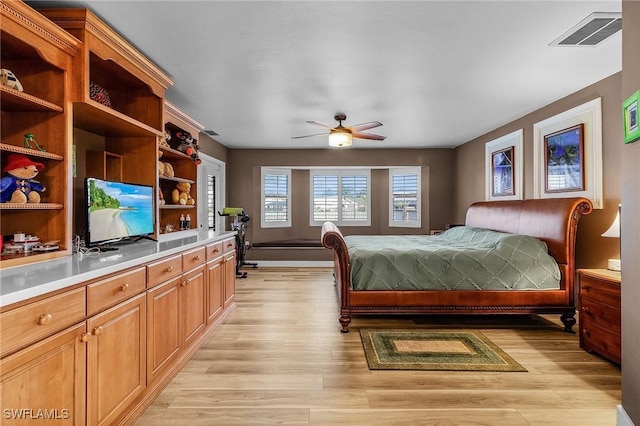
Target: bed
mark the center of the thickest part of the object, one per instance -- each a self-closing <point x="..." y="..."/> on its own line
<point x="553" y="222"/>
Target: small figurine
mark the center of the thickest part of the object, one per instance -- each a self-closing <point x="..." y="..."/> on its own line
<point x="19" y="186"/>
<point x="7" y="78"/>
<point x="189" y="146"/>
<point x="29" y="139"/>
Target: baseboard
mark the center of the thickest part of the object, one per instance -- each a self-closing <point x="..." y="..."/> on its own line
<point x="292" y="264"/>
<point x="623" y="418"/>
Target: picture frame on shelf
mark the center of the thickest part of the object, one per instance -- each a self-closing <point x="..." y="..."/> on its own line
<point x="564" y="160"/>
<point x="503" y="167"/>
<point x="631" y="118"/>
<point x="589" y="115"/>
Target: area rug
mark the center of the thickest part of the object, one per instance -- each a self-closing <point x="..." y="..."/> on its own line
<point x="428" y="349"/>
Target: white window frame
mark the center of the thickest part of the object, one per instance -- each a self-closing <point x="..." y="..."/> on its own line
<point x="340" y="173"/>
<point x="275" y="171"/>
<point x="407" y="223"/>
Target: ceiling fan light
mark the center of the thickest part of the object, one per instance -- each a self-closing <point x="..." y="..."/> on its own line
<point x="340" y="139"/>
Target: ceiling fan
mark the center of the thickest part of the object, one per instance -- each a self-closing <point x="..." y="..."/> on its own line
<point x="342" y="136"/>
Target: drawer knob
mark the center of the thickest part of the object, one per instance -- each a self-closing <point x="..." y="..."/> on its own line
<point x="44" y="319"/>
<point x="184" y="283"/>
<point x="124" y="287"/>
<point x="586" y="332"/>
<point x="197" y="257"/>
<point x="97" y="331"/>
<point x="85" y="337"/>
<point x="216" y="250"/>
<point x="585" y="309"/>
<point x="229" y="245"/>
<point x="168" y="269"/>
<point x="585" y="287"/>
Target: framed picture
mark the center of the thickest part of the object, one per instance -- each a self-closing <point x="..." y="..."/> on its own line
<point x="631" y="118"/>
<point x="567" y="154"/>
<point x="503" y="167"/>
<point x="502" y="172"/>
<point x="564" y="160"/>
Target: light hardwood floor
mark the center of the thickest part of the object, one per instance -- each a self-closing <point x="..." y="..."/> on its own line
<point x="281" y="359"/>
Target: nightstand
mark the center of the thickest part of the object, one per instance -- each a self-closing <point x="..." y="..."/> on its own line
<point x="599" y="301"/>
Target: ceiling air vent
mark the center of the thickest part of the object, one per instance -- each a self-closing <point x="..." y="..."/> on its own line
<point x="211" y="133"/>
<point x="591" y="30"/>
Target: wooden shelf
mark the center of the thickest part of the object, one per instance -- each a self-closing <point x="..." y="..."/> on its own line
<point x="173" y="153"/>
<point x="176" y="179"/>
<point x="31" y="206"/>
<point x="14" y="100"/>
<point x="175" y="207"/>
<point x="102" y="120"/>
<point x="31" y="152"/>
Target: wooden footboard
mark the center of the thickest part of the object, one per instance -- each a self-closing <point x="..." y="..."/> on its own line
<point x="554" y="221"/>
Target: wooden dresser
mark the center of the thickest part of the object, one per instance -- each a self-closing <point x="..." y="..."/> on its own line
<point x="599" y="301"/>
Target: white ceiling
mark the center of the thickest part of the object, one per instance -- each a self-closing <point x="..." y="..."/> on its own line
<point x="435" y="73"/>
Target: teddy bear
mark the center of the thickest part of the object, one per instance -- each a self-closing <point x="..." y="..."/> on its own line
<point x="181" y="194"/>
<point x="19" y="186"/>
<point x="189" y="146"/>
<point x="163" y="141"/>
<point x="164" y="168"/>
<point x="161" y="200"/>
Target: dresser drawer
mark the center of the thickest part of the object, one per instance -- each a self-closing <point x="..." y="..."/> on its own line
<point x="228" y="245"/>
<point x="193" y="258"/>
<point x="40" y="319"/>
<point x="600" y="290"/>
<point x="110" y="291"/>
<point x="163" y="270"/>
<point x="602" y="315"/>
<point x="596" y="339"/>
<point x="214" y="251"/>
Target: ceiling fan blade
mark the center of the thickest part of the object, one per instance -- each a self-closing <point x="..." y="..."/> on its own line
<point x="365" y="126"/>
<point x="319" y="124"/>
<point x="308" y="136"/>
<point x="362" y="135"/>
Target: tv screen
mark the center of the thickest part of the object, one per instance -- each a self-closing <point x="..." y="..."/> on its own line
<point x="117" y="210"/>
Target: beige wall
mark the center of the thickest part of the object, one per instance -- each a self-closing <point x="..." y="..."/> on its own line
<point x="630" y="160"/>
<point x="593" y="250"/>
<point x="243" y="168"/>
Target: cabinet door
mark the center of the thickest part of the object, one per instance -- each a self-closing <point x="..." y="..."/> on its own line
<point x="229" y="279"/>
<point x="192" y="305"/>
<point x="46" y="381"/>
<point x="215" y="290"/>
<point x="116" y="362"/>
<point x="163" y="326"/>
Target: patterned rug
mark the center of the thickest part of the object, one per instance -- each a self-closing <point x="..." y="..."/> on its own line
<point x="428" y="349"/>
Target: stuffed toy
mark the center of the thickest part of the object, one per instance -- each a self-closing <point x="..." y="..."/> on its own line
<point x="181" y="195"/>
<point x="164" y="140"/>
<point x="164" y="169"/>
<point x="189" y="146"/>
<point x="19" y="186"/>
<point x="7" y="78"/>
<point x="161" y="200"/>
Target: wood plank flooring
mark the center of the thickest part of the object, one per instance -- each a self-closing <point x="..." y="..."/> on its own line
<point x="281" y="359"/>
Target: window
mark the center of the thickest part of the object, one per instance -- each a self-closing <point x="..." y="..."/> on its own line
<point x="404" y="197"/>
<point x="276" y="198"/>
<point x="211" y="202"/>
<point x="341" y="196"/>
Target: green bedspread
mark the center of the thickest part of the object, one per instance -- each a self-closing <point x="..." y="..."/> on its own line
<point x="462" y="258"/>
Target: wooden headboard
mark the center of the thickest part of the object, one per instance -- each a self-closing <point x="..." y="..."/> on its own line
<point x="553" y="220"/>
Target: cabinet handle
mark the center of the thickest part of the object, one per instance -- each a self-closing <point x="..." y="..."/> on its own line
<point x="44" y="319"/>
<point x="229" y="245"/>
<point x="585" y="287"/>
<point x="168" y="269"/>
<point x="585" y="309"/>
<point x="216" y="250"/>
<point x="197" y="257"/>
<point x="124" y="287"/>
<point x="84" y="337"/>
<point x="184" y="283"/>
<point x="586" y="332"/>
<point x="97" y="331"/>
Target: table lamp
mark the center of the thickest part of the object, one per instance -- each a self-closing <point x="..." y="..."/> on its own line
<point x="614" y="232"/>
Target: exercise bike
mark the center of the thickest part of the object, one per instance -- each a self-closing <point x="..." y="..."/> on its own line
<point x="239" y="225"/>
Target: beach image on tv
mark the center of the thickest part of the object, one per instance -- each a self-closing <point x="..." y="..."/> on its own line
<point x="119" y="210"/>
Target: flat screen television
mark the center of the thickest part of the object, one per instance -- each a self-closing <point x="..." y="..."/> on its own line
<point x="117" y="211"/>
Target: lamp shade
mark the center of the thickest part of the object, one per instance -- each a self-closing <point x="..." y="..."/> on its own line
<point x="340" y="139"/>
<point x="614" y="229"/>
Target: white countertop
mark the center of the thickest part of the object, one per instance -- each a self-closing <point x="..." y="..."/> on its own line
<point x="24" y="282"/>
